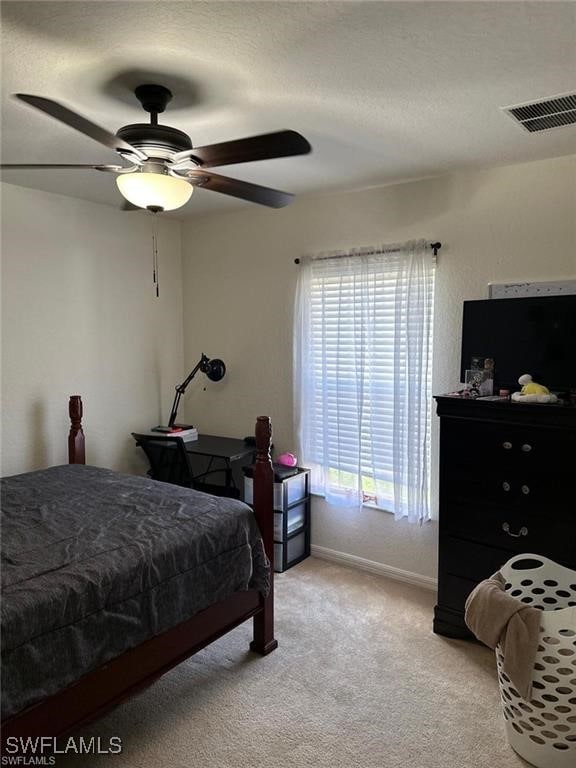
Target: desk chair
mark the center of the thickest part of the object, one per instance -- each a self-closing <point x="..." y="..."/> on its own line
<point x="169" y="460"/>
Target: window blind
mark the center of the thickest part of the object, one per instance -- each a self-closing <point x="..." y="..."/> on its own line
<point x="363" y="366"/>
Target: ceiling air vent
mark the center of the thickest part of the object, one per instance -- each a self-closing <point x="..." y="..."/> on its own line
<point x="543" y="115"/>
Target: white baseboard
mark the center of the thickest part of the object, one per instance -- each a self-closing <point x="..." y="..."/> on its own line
<point x="353" y="561"/>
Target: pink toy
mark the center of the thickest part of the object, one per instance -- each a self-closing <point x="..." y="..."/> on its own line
<point x="287" y="459"/>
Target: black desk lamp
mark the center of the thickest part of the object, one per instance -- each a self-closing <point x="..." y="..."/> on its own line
<point x="214" y="369"/>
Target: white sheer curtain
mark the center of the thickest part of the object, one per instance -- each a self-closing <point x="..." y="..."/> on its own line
<point x="362" y="375"/>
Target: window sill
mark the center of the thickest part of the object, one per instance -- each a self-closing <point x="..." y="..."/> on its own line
<point x="369" y="504"/>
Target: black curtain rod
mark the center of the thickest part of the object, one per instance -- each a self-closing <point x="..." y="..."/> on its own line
<point x="435" y="247"/>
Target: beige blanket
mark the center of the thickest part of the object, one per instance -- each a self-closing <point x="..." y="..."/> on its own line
<point x="496" y="617"/>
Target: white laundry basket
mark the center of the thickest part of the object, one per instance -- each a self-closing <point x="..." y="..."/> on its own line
<point x="543" y="730"/>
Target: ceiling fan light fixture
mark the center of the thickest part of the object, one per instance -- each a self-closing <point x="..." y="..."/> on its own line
<point x="155" y="191"/>
<point x="163" y="164"/>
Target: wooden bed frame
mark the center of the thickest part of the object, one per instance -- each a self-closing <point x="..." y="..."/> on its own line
<point x="102" y="689"/>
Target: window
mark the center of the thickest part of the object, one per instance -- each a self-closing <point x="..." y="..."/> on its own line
<point x="362" y="366"/>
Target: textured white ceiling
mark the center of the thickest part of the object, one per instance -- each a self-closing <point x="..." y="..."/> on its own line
<point x="384" y="91"/>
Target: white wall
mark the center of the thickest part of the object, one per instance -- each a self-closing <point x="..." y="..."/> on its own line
<point x="508" y="223"/>
<point x="79" y="316"/>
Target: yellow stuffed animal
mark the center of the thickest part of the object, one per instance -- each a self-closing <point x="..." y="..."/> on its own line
<point x="530" y="387"/>
<point x="532" y="392"/>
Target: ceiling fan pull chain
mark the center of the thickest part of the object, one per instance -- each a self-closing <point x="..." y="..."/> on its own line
<point x="153" y="258"/>
<point x="155" y="274"/>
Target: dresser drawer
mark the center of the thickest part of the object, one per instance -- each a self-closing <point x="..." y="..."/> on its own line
<point x="471" y="561"/>
<point x="467" y="443"/>
<point x="476" y="561"/>
<point x="506" y="484"/>
<point x="513" y="529"/>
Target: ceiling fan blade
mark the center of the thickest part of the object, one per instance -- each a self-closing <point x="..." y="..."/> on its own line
<point x="265" y="147"/>
<point x="79" y="123"/>
<point x="241" y="189"/>
<point x="113" y="168"/>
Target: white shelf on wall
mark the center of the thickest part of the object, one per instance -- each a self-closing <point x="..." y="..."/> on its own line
<point x="518" y="290"/>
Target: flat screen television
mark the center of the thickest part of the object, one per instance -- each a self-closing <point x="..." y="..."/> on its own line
<point x="535" y="335"/>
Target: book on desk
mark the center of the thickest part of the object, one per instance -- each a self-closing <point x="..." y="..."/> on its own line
<point x="185" y="432"/>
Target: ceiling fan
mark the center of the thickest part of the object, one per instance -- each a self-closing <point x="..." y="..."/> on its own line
<point x="163" y="166"/>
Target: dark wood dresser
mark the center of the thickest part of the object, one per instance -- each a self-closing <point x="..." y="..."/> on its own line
<point x="507" y="486"/>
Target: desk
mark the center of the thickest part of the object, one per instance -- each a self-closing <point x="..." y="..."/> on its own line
<point x="223" y="451"/>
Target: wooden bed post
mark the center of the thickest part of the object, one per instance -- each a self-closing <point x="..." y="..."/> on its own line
<point x="263" y="502"/>
<point x="76" y="451"/>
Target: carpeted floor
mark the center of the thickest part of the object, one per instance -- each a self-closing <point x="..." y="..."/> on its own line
<point x="359" y="681"/>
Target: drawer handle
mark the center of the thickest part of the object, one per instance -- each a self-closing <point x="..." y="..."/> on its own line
<point x="522" y="532"/>
<point x="507" y="445"/>
<point x="525" y="490"/>
<point x="526" y="447"/>
<point x="505" y="486"/>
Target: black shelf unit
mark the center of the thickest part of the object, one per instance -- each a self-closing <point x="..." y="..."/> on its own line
<point x="291" y="516"/>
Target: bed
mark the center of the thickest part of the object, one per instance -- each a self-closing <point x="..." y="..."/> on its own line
<point x="110" y="580"/>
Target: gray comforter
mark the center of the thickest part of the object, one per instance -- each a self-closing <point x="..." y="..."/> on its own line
<point x="95" y="562"/>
